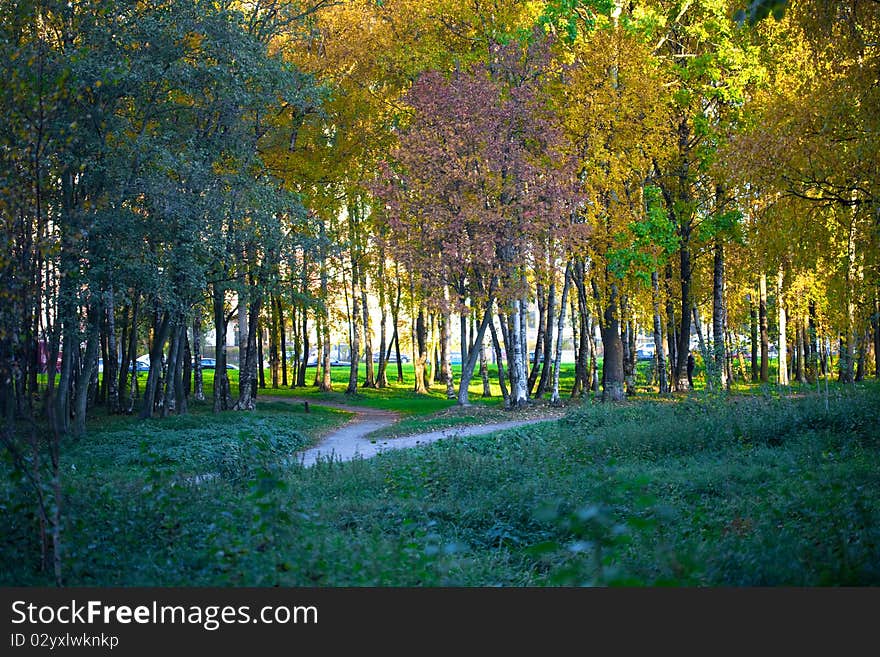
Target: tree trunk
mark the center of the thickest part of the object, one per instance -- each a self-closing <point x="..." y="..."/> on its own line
<point x="542" y="300"/>
<point x="198" y="383"/>
<point x="370" y="373"/>
<point x="247" y="374"/>
<point x="626" y="343"/>
<point x="354" y="331"/>
<point x="811" y="344"/>
<point x="111" y="363"/>
<point x="557" y="358"/>
<point x="783" y="344"/>
<point x="546" y="368"/>
<point x="432" y="351"/>
<point x="484" y="371"/>
<point x="800" y="370"/>
<point x="659" y="351"/>
<point x="170" y="405"/>
<point x="684" y="338"/>
<point x="671" y="326"/>
<point x="274" y="358"/>
<point x="382" y="374"/>
<point x="701" y="341"/>
<point x="518" y="384"/>
<point x="499" y="359"/>
<point x="462" y="324"/>
<point x="282" y="336"/>
<point x="222" y="393"/>
<point x="187" y="369"/>
<point x="582" y="382"/>
<point x="765" y="336"/>
<point x="304" y="333"/>
<point x="421" y="353"/>
<point x="612" y="347"/>
<point x="719" y="355"/>
<point x="88" y="367"/>
<point x="753" y="327"/>
<point x="467" y="367"/>
<point x="160" y="337"/>
<point x="445" y="365"/>
<point x="875" y="321"/>
<point x="260" y="363"/>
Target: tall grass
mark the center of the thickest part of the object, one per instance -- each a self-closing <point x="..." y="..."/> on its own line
<point x="757" y="491"/>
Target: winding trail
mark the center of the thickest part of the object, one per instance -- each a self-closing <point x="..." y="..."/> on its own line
<point x="352" y="441"/>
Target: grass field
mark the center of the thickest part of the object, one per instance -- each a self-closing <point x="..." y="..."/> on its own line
<point x="701" y="490"/>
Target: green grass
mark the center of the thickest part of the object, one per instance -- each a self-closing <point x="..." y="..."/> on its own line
<point x="701" y="490"/>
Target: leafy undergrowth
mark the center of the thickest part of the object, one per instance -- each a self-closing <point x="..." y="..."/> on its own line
<point x="742" y="491"/>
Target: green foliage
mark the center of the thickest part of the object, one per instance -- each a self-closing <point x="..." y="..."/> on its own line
<point x="648" y="243"/>
<point x="573" y="17"/>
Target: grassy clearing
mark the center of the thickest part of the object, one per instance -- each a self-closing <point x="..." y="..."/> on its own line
<point x="747" y="490"/>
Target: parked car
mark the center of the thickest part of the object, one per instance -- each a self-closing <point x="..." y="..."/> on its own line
<point x="645" y="352"/>
<point x="211" y="363"/>
<point x="392" y="358"/>
<point x="141" y="365"/>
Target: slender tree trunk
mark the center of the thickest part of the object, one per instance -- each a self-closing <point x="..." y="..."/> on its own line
<point x="659" y="350"/>
<point x="499" y="359"/>
<point x="462" y="323"/>
<point x="557" y="358"/>
<point x="719" y="317"/>
<point x="187" y="368"/>
<point x="753" y="326"/>
<point x="582" y="380"/>
<point x="546" y="367"/>
<point x="382" y="374"/>
<point x="354" y="330"/>
<point x="260" y="362"/>
<point x="304" y="363"/>
<point x="765" y="336"/>
<point x="484" y="370"/>
<point x="222" y="393"/>
<point x="274" y="358"/>
<point x="111" y="363"/>
<point x="445" y="365"/>
<point x="783" y="344"/>
<point x="671" y="326"/>
<point x="248" y="373"/>
<point x="162" y="328"/>
<point x="170" y="405"/>
<point x="421" y="353"/>
<point x="518" y="384"/>
<point x="370" y="372"/>
<point x="626" y="342"/>
<point x="198" y="383"/>
<point x="129" y="327"/>
<point x="88" y="367"/>
<point x="432" y="351"/>
<point x="811" y="346"/>
<point x="701" y="341"/>
<point x="539" y="341"/>
<point x="684" y="338"/>
<point x="876" y="324"/>
<point x="282" y="335"/>
<point x="395" y="317"/>
<point x="467" y="367"/>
